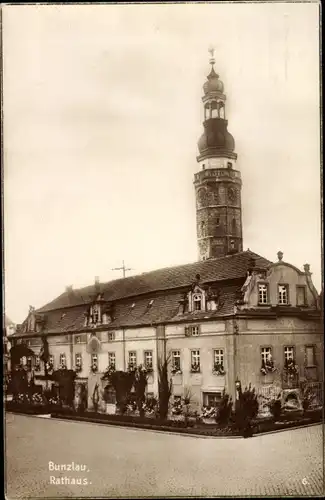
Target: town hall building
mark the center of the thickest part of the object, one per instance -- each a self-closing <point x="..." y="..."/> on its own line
<point x="233" y="317"/>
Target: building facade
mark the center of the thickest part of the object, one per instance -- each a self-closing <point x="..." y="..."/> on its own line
<point x="232" y="317"/>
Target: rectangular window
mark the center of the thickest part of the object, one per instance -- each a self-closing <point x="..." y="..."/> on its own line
<point x="78" y="339"/>
<point x="218" y="359"/>
<point x="112" y="360"/>
<point x="262" y="293"/>
<point x="310" y="355"/>
<point x="301" y="295"/>
<point x="63" y="360"/>
<point x="176" y="361"/>
<point x="148" y="364"/>
<point x="266" y="352"/>
<point x="132" y="359"/>
<point x="78" y="360"/>
<point x="37" y="363"/>
<point x="94" y="362"/>
<point x="197" y="302"/>
<point x="192" y="331"/>
<point x="211" y="398"/>
<point x="111" y="336"/>
<point x="288" y="353"/>
<point x="195" y="361"/>
<point x="283" y="294"/>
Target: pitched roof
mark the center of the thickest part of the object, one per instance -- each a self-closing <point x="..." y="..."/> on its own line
<point x="212" y="270"/>
<point x="141" y="311"/>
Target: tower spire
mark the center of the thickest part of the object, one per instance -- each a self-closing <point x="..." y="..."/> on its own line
<point x="218" y="181"/>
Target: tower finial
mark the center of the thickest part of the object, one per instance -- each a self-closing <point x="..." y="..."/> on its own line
<point x="212" y="50"/>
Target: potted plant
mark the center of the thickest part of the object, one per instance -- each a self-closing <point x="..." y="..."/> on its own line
<point x="195" y="368"/>
<point x="218" y="369"/>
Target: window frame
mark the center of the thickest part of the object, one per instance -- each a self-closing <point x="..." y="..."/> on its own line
<point x="293" y="353"/>
<point x="222" y="363"/>
<point x="78" y="355"/>
<point x="304" y="288"/>
<point x="111" y="336"/>
<point x="261" y="352"/>
<point x="190" y="329"/>
<point x="173" y="357"/>
<point x="197" y="299"/>
<point x="193" y="363"/>
<point x="148" y="366"/>
<point x="113" y="355"/>
<point x="313" y="347"/>
<point x="266" y="284"/>
<point x="133" y="365"/>
<point x="216" y="395"/>
<point x="286" y="285"/>
<point x="63" y="356"/>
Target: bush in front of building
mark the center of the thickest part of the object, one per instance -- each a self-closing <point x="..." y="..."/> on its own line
<point x="275" y="407"/>
<point x="224" y="410"/>
<point x="246" y="410"/>
<point x="164" y="388"/>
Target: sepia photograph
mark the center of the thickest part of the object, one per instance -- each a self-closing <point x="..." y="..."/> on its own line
<point x="163" y="318"/>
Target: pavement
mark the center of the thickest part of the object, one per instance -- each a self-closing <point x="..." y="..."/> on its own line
<point x="122" y="462"/>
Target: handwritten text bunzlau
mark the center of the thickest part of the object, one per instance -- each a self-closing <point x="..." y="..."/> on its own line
<point x="72" y="467"/>
<point x="70" y="480"/>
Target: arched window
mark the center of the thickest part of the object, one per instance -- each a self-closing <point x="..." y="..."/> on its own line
<point x="221" y="109"/>
<point x="214" y="109"/>
<point x="207" y="111"/>
<point x="203" y="231"/>
<point x="233" y="226"/>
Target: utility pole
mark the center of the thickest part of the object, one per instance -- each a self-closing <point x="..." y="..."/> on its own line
<point x="123" y="268"/>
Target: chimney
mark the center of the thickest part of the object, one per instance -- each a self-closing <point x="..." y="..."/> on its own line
<point x="69" y="289"/>
<point x="96" y="280"/>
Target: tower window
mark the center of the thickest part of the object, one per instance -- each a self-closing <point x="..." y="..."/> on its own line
<point x="229" y="164"/>
<point x="218" y="221"/>
<point x="232" y="244"/>
<point x="203" y="231"/>
<point x="214" y="109"/>
<point x="203" y="166"/>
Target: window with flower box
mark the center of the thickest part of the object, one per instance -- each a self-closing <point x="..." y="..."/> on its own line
<point x="263" y="293"/>
<point x="283" y="295"/>
<point x="176" y="362"/>
<point x="301" y="296"/>
<point x="148" y="360"/>
<point x="132" y="359"/>
<point x="112" y="360"/>
<point x="94" y="362"/>
<point x="78" y="361"/>
<point x="192" y="331"/>
<point x="51" y="361"/>
<point x="267" y="360"/>
<point x="37" y="363"/>
<point x="218" y="362"/>
<point x="195" y="361"/>
<point x="63" y="360"/>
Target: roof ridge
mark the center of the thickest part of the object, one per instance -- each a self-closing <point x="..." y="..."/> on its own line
<point x="144" y="283"/>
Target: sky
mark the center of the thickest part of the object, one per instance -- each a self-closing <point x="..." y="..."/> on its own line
<point x="102" y="114"/>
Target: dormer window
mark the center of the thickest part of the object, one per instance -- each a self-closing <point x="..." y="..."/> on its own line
<point x="283" y="295"/>
<point x="197" y="302"/>
<point x="263" y="293"/>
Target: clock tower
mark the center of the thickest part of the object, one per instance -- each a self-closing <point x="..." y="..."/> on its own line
<point x="218" y="181"/>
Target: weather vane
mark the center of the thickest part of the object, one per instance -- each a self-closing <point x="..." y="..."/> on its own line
<point x="212" y="50"/>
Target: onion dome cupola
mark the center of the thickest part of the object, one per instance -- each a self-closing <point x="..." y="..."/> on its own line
<point x="215" y="140"/>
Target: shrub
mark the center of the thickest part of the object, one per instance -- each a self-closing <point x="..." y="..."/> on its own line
<point x="275" y="408"/>
<point x="224" y="410"/>
<point x="164" y="388"/>
<point x="246" y="410"/>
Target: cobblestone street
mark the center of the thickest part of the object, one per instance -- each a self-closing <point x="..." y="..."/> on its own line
<point x="126" y="462"/>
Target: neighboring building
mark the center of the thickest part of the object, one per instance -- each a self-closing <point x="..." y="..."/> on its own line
<point x="9" y="329"/>
<point x="231" y="317"/>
